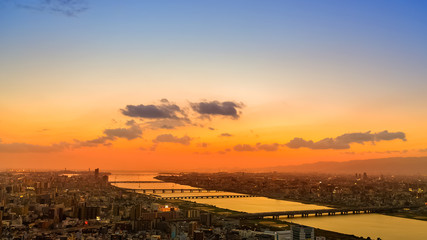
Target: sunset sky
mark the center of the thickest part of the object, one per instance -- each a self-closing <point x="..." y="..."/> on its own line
<point x="210" y="85"/>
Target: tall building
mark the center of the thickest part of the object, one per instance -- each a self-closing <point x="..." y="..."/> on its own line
<point x="81" y="211"/>
<point x="206" y="219"/>
<point x="300" y="232"/>
<point x="191" y="228"/>
<point x="193" y="213"/>
<point x="116" y="210"/>
<point x="135" y="212"/>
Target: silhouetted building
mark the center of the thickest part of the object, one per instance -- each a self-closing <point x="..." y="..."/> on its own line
<point x="81" y="211"/>
<point x="57" y="214"/>
<point x="135" y="212"/>
<point x="116" y="210"/>
<point x="302" y="232"/>
<point x="206" y="219"/>
<point x="105" y="178"/>
<point x="191" y="228"/>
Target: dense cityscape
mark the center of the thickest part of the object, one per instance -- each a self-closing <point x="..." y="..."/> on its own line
<point x="84" y="205"/>
<point x="326" y="189"/>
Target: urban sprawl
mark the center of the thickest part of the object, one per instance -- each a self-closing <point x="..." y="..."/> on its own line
<point x="85" y="205"/>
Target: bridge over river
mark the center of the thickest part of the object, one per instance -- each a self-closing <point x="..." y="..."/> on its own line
<point x="171" y="190"/>
<point x="207" y="196"/>
<point x="136" y="182"/>
<point x="318" y="212"/>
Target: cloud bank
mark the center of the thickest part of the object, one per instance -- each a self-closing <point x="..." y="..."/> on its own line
<point x="258" y="147"/>
<point x="344" y="141"/>
<point x="132" y="132"/>
<point x="33" y="148"/>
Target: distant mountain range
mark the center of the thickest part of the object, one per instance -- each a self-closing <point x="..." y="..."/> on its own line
<point x="395" y="165"/>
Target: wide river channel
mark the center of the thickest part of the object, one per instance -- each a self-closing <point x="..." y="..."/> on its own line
<point x="365" y="225"/>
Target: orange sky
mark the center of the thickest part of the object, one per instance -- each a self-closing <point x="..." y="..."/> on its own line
<point x="206" y="148"/>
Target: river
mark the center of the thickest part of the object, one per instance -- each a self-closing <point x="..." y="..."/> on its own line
<point x="365" y="225"/>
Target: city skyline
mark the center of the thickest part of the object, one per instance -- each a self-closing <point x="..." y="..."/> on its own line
<point x="210" y="85"/>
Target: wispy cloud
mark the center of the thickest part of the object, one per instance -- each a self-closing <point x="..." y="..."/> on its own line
<point x="268" y="147"/>
<point x="257" y="147"/>
<point x="33" y="148"/>
<point x="225" y="135"/>
<point x="344" y="141"/>
<point x="244" y="148"/>
<point x="166" y="123"/>
<point x="133" y="131"/>
<point x="169" y="138"/>
<point x="68" y="8"/>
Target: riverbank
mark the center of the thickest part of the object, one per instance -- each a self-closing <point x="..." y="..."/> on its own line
<point x="417" y="214"/>
<point x="271" y="224"/>
<point x="162" y="178"/>
<point x="408" y="215"/>
<point x="265" y="224"/>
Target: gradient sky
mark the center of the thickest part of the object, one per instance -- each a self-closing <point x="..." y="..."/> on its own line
<point x="257" y="83"/>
